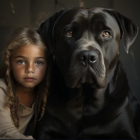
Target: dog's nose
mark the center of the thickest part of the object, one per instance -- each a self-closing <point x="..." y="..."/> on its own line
<point x="88" y="57"/>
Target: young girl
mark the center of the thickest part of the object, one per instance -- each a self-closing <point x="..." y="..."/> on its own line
<point x="23" y="82"/>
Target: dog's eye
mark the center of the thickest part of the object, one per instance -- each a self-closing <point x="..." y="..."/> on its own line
<point x="69" y="33"/>
<point x="106" y="34"/>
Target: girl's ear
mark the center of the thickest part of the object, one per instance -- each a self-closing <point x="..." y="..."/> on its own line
<point x="46" y="30"/>
<point x="129" y="30"/>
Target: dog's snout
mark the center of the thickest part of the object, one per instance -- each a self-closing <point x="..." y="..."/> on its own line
<point x="87" y="57"/>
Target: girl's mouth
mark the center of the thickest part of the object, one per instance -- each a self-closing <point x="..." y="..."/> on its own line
<point x="29" y="79"/>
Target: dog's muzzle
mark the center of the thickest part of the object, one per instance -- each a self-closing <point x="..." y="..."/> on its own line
<point x="87" y="66"/>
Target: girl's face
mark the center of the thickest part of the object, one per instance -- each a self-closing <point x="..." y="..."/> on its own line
<point x="28" y="64"/>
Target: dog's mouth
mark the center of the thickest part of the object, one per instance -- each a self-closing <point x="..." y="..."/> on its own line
<point x="89" y="75"/>
<point x="85" y="79"/>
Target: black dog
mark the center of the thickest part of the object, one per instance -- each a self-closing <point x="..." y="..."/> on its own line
<point x="89" y="94"/>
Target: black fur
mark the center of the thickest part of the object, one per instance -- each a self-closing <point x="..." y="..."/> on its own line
<point x="89" y="94"/>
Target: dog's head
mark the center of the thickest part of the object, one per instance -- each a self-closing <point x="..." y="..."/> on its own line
<point x="85" y="43"/>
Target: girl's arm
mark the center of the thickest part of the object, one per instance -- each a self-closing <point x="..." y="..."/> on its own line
<point x="7" y="127"/>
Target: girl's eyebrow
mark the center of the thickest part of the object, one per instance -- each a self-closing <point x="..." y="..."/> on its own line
<point x="40" y="58"/>
<point x="26" y="57"/>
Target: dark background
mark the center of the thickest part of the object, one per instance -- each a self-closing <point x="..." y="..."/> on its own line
<point x="15" y="13"/>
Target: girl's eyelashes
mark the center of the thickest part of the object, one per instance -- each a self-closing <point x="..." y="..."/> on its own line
<point x="20" y="62"/>
<point x="39" y="62"/>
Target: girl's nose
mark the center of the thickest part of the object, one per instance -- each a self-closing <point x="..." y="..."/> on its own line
<point x="30" y="68"/>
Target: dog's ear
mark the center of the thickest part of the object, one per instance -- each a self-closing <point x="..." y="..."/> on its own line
<point x="46" y="30"/>
<point x="129" y="30"/>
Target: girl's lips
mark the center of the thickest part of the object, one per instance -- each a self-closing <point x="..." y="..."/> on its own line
<point x="29" y="79"/>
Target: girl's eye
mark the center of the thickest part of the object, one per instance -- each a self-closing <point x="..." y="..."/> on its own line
<point x="21" y="62"/>
<point x="39" y="63"/>
<point x="106" y="34"/>
<point x="69" y="33"/>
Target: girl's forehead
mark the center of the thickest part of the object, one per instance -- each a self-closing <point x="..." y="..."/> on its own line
<point x="30" y="50"/>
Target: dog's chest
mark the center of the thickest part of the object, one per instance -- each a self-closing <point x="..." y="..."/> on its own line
<point x="72" y="109"/>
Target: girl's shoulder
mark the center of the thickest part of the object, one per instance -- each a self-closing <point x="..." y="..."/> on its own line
<point x="3" y="85"/>
<point x="3" y="89"/>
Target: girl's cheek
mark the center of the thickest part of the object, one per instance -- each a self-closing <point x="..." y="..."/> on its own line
<point x="17" y="68"/>
<point x="40" y="71"/>
<point x="41" y="68"/>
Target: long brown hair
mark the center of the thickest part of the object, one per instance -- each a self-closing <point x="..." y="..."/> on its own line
<point x="18" y="38"/>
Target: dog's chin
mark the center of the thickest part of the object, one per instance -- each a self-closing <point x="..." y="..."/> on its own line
<point x="93" y="84"/>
